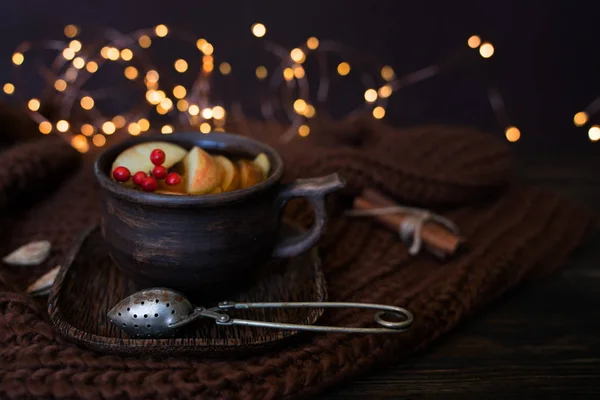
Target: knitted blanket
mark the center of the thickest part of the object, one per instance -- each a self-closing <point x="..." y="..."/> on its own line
<point x="514" y="233"/>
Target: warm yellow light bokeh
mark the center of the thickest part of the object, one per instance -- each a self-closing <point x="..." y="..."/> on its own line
<point x="387" y="73"/>
<point x="80" y="143"/>
<point x="87" y="103"/>
<point x="134" y="129"/>
<point x="113" y="53"/>
<point x="312" y="43"/>
<point x="131" y="72"/>
<point x="161" y="30"/>
<point x="486" y="50"/>
<point x="194" y="110"/>
<point x="259" y="30"/>
<point x="166" y="129"/>
<point x="218" y="112"/>
<point x="33" y="104"/>
<point x="87" y="129"/>
<point x="208" y="48"/>
<point x="75" y="45"/>
<point x="225" y="68"/>
<point x="304" y="130"/>
<point x="62" y="126"/>
<point x="181" y="65"/>
<point x="261" y="72"/>
<point x="92" y="67"/>
<point x="144" y="124"/>
<point x="60" y="85"/>
<point x="594" y="133"/>
<point x="205" y="127"/>
<point x="299" y="72"/>
<point x="109" y="127"/>
<point x="385" y="91"/>
<point x="300" y="106"/>
<point x="297" y="55"/>
<point x="68" y="53"/>
<point x="166" y="103"/>
<point x="288" y="74"/>
<point x="144" y="41"/>
<point x="512" y="134"/>
<point x="126" y="54"/>
<point x="79" y="62"/>
<point x="200" y="42"/>
<point x="45" y="127"/>
<point x="474" y="41"/>
<point x="310" y="111"/>
<point x="8" y="88"/>
<point x="207" y="113"/>
<point x="580" y="119"/>
<point x="119" y="121"/>
<point x="370" y="95"/>
<point x="379" y="112"/>
<point x="179" y="92"/>
<point x="99" y="140"/>
<point x="152" y="76"/>
<point x="71" y="31"/>
<point x="343" y="68"/>
<point x="182" y="105"/>
<point x="18" y="58"/>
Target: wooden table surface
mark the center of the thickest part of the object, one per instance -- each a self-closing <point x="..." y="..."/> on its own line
<point x="542" y="340"/>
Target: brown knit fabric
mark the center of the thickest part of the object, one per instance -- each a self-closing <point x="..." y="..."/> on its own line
<point x="514" y="233"/>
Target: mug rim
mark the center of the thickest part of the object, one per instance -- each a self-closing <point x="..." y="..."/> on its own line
<point x="189" y="138"/>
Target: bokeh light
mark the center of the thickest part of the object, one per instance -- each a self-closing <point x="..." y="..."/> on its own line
<point x="486" y="50"/>
<point x="370" y="95"/>
<point x="259" y="30"/>
<point x="87" y="103"/>
<point x="161" y="30"/>
<point x="379" y="112"/>
<point x="580" y="119"/>
<point x="594" y="133"/>
<point x="45" y="127"/>
<point x="33" y="104"/>
<point x="512" y="134"/>
<point x="474" y="41"/>
<point x="303" y="130"/>
<point x="343" y="68"/>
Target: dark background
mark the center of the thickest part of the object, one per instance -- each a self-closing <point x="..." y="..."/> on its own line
<point x="545" y="64"/>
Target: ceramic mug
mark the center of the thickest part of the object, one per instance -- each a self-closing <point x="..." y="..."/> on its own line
<point x="187" y="242"/>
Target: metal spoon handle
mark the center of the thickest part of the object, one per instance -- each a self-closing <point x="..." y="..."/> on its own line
<point x="405" y="316"/>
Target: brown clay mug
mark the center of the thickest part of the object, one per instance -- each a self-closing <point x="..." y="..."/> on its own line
<point x="189" y="242"/>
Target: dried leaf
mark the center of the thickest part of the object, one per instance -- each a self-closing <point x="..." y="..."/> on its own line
<point x="43" y="285"/>
<point x="33" y="253"/>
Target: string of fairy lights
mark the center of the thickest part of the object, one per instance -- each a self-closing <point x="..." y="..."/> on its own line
<point x="76" y="116"/>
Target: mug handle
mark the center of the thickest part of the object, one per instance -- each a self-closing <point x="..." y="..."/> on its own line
<point x="314" y="190"/>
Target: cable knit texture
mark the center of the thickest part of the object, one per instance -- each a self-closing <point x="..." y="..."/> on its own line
<point x="514" y="233"/>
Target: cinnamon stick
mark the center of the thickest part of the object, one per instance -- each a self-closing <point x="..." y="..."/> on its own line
<point x="433" y="235"/>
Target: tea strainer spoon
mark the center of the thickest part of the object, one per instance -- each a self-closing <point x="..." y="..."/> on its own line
<point x="159" y="312"/>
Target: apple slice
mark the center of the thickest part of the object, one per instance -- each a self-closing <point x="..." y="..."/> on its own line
<point x="263" y="163"/>
<point x="250" y="173"/>
<point x="137" y="158"/>
<point x="230" y="177"/>
<point x="201" y="173"/>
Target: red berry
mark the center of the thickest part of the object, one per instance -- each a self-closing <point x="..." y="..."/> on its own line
<point x="139" y="177"/>
<point x="173" y="179"/>
<point x="149" y="184"/>
<point x="157" y="157"/>
<point x="159" y="172"/>
<point x="121" y="174"/>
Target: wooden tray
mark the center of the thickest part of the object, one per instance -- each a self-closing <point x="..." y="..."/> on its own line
<point x="89" y="284"/>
